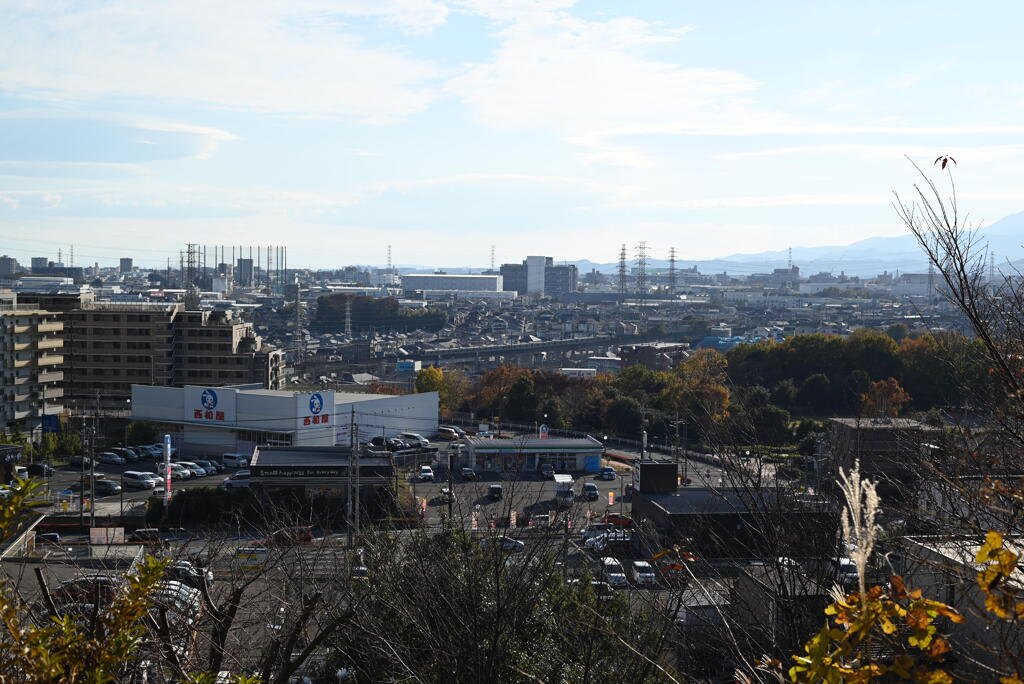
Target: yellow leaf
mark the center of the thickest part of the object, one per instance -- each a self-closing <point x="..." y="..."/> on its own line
<point x="993" y="542"/>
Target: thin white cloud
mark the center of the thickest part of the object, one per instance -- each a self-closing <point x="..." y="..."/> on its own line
<point x="975" y="155"/>
<point x="579" y="77"/>
<point x="296" y="58"/>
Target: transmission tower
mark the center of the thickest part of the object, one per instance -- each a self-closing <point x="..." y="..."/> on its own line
<point x="191" y="265"/>
<point x="348" y="317"/>
<point x="389" y="260"/>
<point x="622" y="273"/>
<point x="991" y="268"/>
<point x="492" y="257"/>
<point x="672" y="271"/>
<point x="71" y="262"/>
<point x="641" y="270"/>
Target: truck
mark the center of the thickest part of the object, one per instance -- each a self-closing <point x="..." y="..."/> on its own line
<point x="563" y="490"/>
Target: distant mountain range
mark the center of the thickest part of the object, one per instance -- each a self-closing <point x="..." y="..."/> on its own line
<point x="865" y="258"/>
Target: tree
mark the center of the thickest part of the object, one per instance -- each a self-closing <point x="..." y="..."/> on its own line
<point x="450" y="387"/>
<point x="815" y="391"/>
<point x="522" y="400"/>
<point x="898" y="332"/>
<point x="884" y="398"/>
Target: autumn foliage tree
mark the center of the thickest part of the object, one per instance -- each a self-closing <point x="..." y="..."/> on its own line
<point x="884" y="399"/>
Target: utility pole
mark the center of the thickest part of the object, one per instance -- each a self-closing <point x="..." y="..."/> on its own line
<point x="355" y="438"/>
<point x="451" y="492"/>
<point x="351" y="471"/>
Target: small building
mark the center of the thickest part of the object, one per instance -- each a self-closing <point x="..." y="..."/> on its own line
<point x="656" y="356"/>
<point x="317" y="471"/>
<point x="736" y="522"/>
<point x="526" y="454"/>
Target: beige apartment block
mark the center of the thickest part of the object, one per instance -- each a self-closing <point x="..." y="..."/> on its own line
<point x="113" y="345"/>
<point x="31" y="341"/>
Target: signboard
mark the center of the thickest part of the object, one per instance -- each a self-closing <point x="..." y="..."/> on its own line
<point x="542" y="431"/>
<point x="210" y="405"/>
<point x="106" y="535"/>
<point x="314" y="410"/>
<point x="611" y="498"/>
<point x="51" y="424"/>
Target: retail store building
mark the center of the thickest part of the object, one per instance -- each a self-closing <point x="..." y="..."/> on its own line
<point x="215" y="420"/>
<point x="530" y="453"/>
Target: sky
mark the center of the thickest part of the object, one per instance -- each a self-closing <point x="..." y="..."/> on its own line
<point x="443" y="127"/>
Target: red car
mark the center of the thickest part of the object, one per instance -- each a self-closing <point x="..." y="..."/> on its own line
<point x="618" y="519"/>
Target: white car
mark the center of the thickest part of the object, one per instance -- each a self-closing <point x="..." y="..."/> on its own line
<point x="237" y="481"/>
<point x="180" y="472"/>
<point x="110" y="457"/>
<point x="596" y="543"/>
<point x="426" y="474"/>
<point x="613" y="572"/>
<point x="414" y="438"/>
<point x="643" y="573"/>
<point x="196" y="469"/>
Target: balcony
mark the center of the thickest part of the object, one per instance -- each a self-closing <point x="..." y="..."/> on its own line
<point x="22" y="329"/>
<point x="21" y="394"/>
<point x="18" y="346"/>
<point x="51" y="393"/>
<point x="49" y="360"/>
<point x="21" y="363"/>
<point x="19" y="379"/>
<point x="49" y="376"/>
<point x="49" y="343"/>
<point x="56" y="326"/>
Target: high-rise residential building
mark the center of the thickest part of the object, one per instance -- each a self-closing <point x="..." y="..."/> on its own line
<point x="113" y="345"/>
<point x="40" y="264"/>
<point x="125" y="265"/>
<point x="8" y="266"/>
<point x="30" y="355"/>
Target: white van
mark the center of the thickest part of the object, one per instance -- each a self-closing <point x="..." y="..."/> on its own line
<point x="614" y="575"/>
<point x="235" y="460"/>
<point x="21" y="472"/>
<point x="137" y="480"/>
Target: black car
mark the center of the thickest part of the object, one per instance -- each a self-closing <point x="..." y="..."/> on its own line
<point x="468" y="474"/>
<point x="494" y="492"/>
<point x="80" y="461"/>
<point x="40" y="470"/>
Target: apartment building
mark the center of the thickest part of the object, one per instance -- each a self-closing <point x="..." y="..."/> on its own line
<point x="30" y="355"/>
<point x="113" y="345"/>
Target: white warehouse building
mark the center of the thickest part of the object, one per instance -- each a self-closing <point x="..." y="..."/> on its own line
<point x="210" y="421"/>
<point x="444" y="281"/>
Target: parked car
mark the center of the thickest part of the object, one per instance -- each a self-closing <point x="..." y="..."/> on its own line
<point x="547" y="471"/>
<point x="414" y="438"/>
<point x="468" y="474"/>
<point x="447" y="496"/>
<point x="643" y="573"/>
<point x="606" y="473"/>
<point x="238" y="480"/>
<point x="618" y="520"/>
<point x="145" y="535"/>
<point x="590" y="491"/>
<point x="448" y="434"/>
<point x="106" y="487"/>
<point x="52" y="538"/>
<point x="426" y="474"/>
<point x="137" y="480"/>
<point x="39" y="470"/>
<point x="503" y="543"/>
<point x="595" y="529"/>
<point x="110" y="457"/>
<point x="613" y="572"/>
<point x="196" y="469"/>
<point x="235" y="460"/>
<point x="187" y="573"/>
<point x="494" y="492"/>
<point x="596" y="542"/>
<point x="180" y="472"/>
<point x="127" y="454"/>
<point x="541" y="520"/>
<point x="210" y="466"/>
<point x="80" y="461"/>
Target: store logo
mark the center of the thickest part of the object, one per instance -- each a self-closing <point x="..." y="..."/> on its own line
<point x="316" y="404"/>
<point x="209" y="399"/>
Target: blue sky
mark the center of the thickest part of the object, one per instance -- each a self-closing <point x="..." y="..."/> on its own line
<point x="442" y="127"/>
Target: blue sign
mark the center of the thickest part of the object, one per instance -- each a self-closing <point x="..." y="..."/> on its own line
<point x="51" y="424"/>
<point x="209" y="399"/>
<point x="316" y="403"/>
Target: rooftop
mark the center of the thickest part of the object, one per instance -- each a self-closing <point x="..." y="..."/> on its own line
<point x="534" y="444"/>
<point x="701" y="500"/>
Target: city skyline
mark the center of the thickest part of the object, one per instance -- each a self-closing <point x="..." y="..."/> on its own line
<point x="442" y="128"/>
